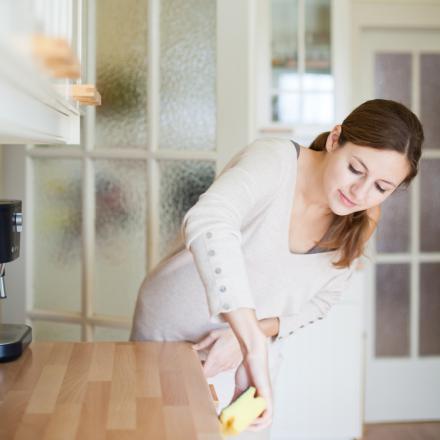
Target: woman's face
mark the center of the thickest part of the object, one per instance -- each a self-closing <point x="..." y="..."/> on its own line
<point x="365" y="176"/>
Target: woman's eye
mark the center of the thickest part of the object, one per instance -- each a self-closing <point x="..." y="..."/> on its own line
<point x="380" y="189"/>
<point x="353" y="170"/>
<point x="360" y="172"/>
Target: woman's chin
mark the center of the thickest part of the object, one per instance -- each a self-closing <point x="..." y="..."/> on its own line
<point x="342" y="210"/>
<point x="346" y="211"/>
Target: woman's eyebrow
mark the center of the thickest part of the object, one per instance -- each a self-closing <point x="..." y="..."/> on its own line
<point x="386" y="181"/>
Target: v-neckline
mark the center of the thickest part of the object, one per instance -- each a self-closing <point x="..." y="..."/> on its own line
<point x="292" y="199"/>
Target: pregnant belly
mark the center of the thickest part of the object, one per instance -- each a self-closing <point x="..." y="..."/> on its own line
<point x="172" y="306"/>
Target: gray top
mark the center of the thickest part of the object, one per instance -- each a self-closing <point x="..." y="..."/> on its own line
<point x="315" y="249"/>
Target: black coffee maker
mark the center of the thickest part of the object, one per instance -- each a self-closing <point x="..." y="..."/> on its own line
<point x="14" y="338"/>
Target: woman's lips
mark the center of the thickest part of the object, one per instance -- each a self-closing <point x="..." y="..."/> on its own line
<point x="347" y="202"/>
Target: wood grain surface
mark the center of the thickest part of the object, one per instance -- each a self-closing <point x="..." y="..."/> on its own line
<point x="106" y="390"/>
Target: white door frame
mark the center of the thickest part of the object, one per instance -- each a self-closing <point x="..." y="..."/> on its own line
<point x="383" y="401"/>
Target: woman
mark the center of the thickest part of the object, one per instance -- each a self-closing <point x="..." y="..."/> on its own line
<point x="272" y="243"/>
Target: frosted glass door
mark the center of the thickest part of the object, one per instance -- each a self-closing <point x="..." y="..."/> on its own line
<point x="403" y="313"/>
<point x="99" y="215"/>
<point x="102" y="214"/>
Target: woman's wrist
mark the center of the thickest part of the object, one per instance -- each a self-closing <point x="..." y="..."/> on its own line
<point x="247" y="329"/>
<point x="254" y="344"/>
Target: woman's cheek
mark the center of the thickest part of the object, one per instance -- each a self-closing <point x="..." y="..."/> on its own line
<point x="342" y="180"/>
<point x="374" y="200"/>
<point x="381" y="199"/>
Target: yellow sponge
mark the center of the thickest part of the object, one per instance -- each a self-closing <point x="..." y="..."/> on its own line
<point x="242" y="412"/>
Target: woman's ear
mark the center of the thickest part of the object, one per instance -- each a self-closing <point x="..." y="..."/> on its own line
<point x="333" y="138"/>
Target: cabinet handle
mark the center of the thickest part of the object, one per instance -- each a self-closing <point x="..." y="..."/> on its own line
<point x="213" y="394"/>
<point x="86" y="94"/>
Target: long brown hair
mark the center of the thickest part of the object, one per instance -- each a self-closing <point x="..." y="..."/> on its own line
<point x="381" y="124"/>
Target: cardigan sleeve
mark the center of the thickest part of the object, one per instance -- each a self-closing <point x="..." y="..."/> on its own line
<point x="212" y="227"/>
<point x="318" y="306"/>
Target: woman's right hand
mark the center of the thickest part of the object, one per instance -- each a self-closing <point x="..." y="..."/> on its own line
<point x="254" y="371"/>
<point x="254" y="368"/>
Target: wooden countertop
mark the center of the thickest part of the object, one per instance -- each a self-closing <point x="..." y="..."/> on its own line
<point x="106" y="390"/>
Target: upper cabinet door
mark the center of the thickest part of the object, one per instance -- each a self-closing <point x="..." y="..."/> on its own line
<point x="40" y="52"/>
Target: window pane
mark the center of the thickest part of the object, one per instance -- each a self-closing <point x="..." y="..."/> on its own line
<point x="181" y="183"/>
<point x="392" y="234"/>
<point x="122" y="73"/>
<point x="429" y="310"/>
<point x="286" y="108"/>
<point x="430" y="98"/>
<point x="54" y="331"/>
<point x="120" y="192"/>
<point x="286" y="80"/>
<point x="392" y="77"/>
<point x="57" y="234"/>
<point x="188" y="74"/>
<point x="318" y="82"/>
<point x="429" y="205"/>
<point x="284" y="45"/>
<point x="111" y="334"/>
<point x="317" y="108"/>
<point x="392" y="310"/>
<point x="317" y="38"/>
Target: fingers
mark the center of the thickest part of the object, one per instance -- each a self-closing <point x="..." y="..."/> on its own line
<point x="242" y="382"/>
<point x="213" y="365"/>
<point x="262" y="422"/>
<point x="222" y="352"/>
<point x="210" y="368"/>
<point x="255" y="368"/>
<point x="260" y="427"/>
<point x="243" y="379"/>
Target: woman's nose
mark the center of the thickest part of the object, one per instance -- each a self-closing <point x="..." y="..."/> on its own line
<point x="358" y="192"/>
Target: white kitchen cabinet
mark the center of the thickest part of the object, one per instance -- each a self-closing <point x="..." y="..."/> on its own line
<point x="35" y="103"/>
<point x="319" y="390"/>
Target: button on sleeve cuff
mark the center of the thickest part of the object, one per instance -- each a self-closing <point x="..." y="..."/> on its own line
<point x="318" y="306"/>
<point x="220" y="263"/>
<point x="315" y="309"/>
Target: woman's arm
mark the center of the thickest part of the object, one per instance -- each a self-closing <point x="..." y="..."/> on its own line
<point x="212" y="230"/>
<point x="250" y="333"/>
<point x="317" y="307"/>
<point x="212" y="227"/>
<point x="254" y="369"/>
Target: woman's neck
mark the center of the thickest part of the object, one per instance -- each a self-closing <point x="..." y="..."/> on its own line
<point x="310" y="188"/>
